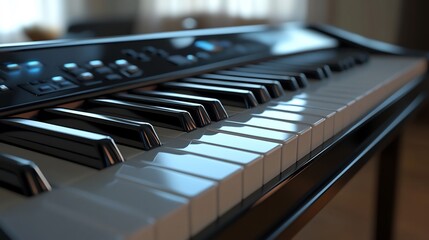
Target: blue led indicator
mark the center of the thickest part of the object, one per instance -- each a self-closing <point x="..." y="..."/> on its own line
<point x="121" y="62"/>
<point x="205" y="45"/>
<point x="70" y="66"/>
<point x="34" y="64"/>
<point x="13" y="67"/>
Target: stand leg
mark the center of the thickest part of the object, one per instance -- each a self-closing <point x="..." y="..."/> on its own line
<point x="386" y="193"/>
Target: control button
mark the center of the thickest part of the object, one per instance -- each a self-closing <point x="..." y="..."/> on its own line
<point x="103" y="70"/>
<point x="203" y="55"/>
<point x="132" y="71"/>
<point x="34" y="64"/>
<point x="114" y="77"/>
<point x="46" y="88"/>
<point x="121" y="63"/>
<point x="62" y="83"/>
<point x="78" y="71"/>
<point x="58" y="78"/>
<point x="162" y="53"/>
<point x="4" y="88"/>
<point x="130" y="52"/>
<point x="70" y="66"/>
<point x="150" y="50"/>
<point x="85" y="76"/>
<point x="143" y="57"/>
<point x="192" y="58"/>
<point x="13" y="67"/>
<point x="178" y="60"/>
<point x="96" y="63"/>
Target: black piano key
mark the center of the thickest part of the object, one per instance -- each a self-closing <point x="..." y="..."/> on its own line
<point x="132" y="133"/>
<point x="287" y="82"/>
<point x="228" y="96"/>
<point x="86" y="148"/>
<point x="197" y="111"/>
<point x="213" y="106"/>
<point x="323" y="68"/>
<point x="360" y="57"/>
<point x="336" y="59"/>
<point x="274" y="87"/>
<point x="159" y="116"/>
<point x="314" y="72"/>
<point x="22" y="176"/>
<point x="260" y="92"/>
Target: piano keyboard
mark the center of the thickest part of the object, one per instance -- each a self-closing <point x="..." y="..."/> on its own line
<point x="160" y="136"/>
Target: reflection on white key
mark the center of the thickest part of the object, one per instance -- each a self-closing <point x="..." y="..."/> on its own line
<point x="303" y="132"/>
<point x="252" y="163"/>
<point x="339" y="109"/>
<point x="228" y="176"/>
<point x="270" y="151"/>
<point x="352" y="107"/>
<point x="329" y="116"/>
<point x="202" y="193"/>
<point x="170" y="212"/>
<point x="288" y="141"/>
<point x="72" y="214"/>
<point x="317" y="124"/>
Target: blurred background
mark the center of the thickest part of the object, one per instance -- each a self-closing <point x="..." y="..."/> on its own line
<point x="350" y="215"/>
<point x="24" y="20"/>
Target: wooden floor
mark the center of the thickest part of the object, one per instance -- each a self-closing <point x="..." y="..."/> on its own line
<point x="350" y="215"/>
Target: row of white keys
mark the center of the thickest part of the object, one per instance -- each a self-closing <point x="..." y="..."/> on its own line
<point x="340" y="110"/>
<point x="328" y="116"/>
<point x="170" y="212"/>
<point x="303" y="131"/>
<point x="270" y="151"/>
<point x="317" y="124"/>
<point x="252" y="163"/>
<point x="200" y="194"/>
<point x="47" y="206"/>
<point x="228" y="176"/>
<point x="74" y="214"/>
<point x="288" y="141"/>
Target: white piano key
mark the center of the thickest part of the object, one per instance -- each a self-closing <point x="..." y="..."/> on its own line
<point x="72" y="214"/>
<point x="202" y="193"/>
<point x="10" y="198"/>
<point x="229" y="177"/>
<point x="252" y="163"/>
<point x="270" y="151"/>
<point x="57" y="171"/>
<point x="328" y="115"/>
<point x="317" y="123"/>
<point x="350" y="104"/>
<point x="288" y="141"/>
<point x="357" y="98"/>
<point x="169" y="211"/>
<point x="303" y="132"/>
<point x="339" y="109"/>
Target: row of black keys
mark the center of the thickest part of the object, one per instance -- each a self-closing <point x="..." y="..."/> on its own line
<point x="85" y="135"/>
